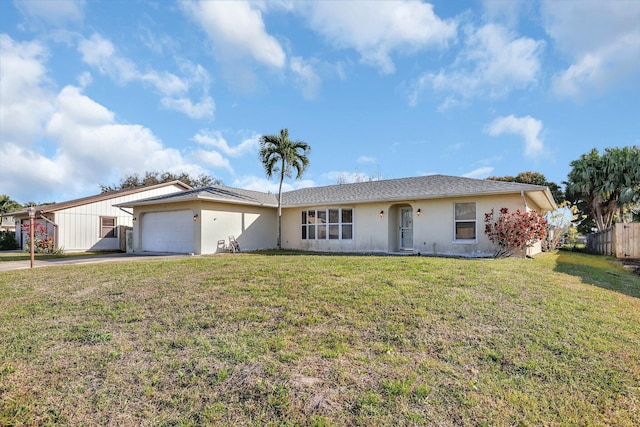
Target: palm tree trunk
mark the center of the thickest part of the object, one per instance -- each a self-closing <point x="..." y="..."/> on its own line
<point x="279" y="242"/>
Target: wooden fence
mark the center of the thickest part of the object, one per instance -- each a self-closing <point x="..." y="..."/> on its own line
<point x="621" y="241"/>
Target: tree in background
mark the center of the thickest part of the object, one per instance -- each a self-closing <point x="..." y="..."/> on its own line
<point x="279" y="154"/>
<point x="7" y="205"/>
<point x="154" y="178"/>
<point x="560" y="223"/>
<point x="605" y="188"/>
<point x="513" y="231"/>
<point x="535" y="178"/>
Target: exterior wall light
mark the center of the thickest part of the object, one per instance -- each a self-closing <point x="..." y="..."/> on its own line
<point x="381" y="214"/>
<point x="195" y="217"/>
<point x="419" y="212"/>
<point x="135" y="219"/>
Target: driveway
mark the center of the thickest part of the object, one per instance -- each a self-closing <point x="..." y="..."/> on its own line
<point x="90" y="259"/>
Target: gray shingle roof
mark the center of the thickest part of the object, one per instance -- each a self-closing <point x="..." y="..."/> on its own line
<point x="422" y="187"/>
<point x="216" y="193"/>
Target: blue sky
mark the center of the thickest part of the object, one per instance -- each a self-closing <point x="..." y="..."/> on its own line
<point x="93" y="91"/>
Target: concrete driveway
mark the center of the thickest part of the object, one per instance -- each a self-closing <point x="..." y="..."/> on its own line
<point x="89" y="259"/>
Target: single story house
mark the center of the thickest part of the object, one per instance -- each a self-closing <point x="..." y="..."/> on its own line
<point x="7" y="223"/>
<point x="435" y="214"/>
<point x="91" y="223"/>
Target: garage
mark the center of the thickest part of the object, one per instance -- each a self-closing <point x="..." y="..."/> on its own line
<point x="170" y="231"/>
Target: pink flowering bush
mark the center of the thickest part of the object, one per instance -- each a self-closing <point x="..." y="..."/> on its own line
<point x="514" y="231"/>
<point x="42" y="242"/>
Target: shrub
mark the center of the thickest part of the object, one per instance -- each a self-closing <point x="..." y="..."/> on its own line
<point x="42" y="242"/>
<point x="7" y="241"/>
<point x="513" y="231"/>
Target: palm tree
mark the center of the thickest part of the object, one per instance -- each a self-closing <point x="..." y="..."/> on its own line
<point x="605" y="185"/>
<point x="279" y="154"/>
<point x="7" y="205"/>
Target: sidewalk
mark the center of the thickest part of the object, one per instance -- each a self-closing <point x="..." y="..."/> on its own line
<point x="90" y="259"/>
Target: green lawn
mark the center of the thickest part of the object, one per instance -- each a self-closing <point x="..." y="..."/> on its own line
<point x="296" y="339"/>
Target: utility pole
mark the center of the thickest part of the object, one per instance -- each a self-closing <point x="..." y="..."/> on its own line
<point x="32" y="216"/>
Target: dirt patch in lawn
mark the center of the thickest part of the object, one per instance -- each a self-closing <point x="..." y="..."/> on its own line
<point x="633" y="264"/>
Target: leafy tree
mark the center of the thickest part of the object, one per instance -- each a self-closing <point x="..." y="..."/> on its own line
<point x="7" y="205"/>
<point x="153" y="178"/>
<point x="279" y="154"/>
<point x="513" y="231"/>
<point x="7" y="239"/>
<point x="605" y="187"/>
<point x="560" y="222"/>
<point x="535" y="178"/>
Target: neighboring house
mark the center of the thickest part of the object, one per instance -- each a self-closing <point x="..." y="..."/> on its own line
<point x="436" y="214"/>
<point x="8" y="222"/>
<point x="90" y="223"/>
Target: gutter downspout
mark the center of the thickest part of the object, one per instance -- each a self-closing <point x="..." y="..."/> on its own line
<point x="524" y="199"/>
<point x="526" y="209"/>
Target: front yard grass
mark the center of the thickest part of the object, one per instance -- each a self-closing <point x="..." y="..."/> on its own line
<point x="318" y="340"/>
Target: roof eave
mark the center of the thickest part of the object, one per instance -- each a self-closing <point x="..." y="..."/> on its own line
<point x="191" y="198"/>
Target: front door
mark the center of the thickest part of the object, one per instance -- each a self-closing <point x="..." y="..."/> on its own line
<point x="406" y="229"/>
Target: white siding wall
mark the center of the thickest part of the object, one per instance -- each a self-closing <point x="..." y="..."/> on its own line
<point x="79" y="227"/>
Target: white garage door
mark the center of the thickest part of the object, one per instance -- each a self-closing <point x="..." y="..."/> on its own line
<point x="168" y="231"/>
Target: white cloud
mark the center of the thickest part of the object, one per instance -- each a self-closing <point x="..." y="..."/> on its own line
<point x="306" y="77"/>
<point x="237" y="30"/>
<point x="213" y="159"/>
<point x="342" y="177"/>
<point x="65" y="142"/>
<point x="527" y="127"/>
<point x="601" y="38"/>
<point x="101" y="54"/>
<point x="215" y="139"/>
<point x="251" y="182"/>
<point x="260" y="184"/>
<point x="199" y="110"/>
<point x="26" y="99"/>
<point x="366" y="159"/>
<point x="492" y="63"/>
<point x="56" y="12"/>
<point x="479" y="173"/>
<point x="507" y="12"/>
<point x="378" y="29"/>
<point x="91" y="144"/>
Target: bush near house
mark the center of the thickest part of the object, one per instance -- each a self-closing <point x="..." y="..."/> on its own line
<point x="42" y="242"/>
<point x="8" y="241"/>
<point x="514" y="231"/>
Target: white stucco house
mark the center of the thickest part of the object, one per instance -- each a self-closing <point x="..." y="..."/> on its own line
<point x="436" y="214"/>
<point x="7" y="223"/>
<point x="91" y="223"/>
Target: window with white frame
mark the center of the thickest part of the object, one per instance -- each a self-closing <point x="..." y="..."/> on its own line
<point x="465" y="221"/>
<point x="108" y="228"/>
<point x="327" y="224"/>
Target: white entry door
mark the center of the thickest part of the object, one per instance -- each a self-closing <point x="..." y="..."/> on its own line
<point x="406" y="228"/>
